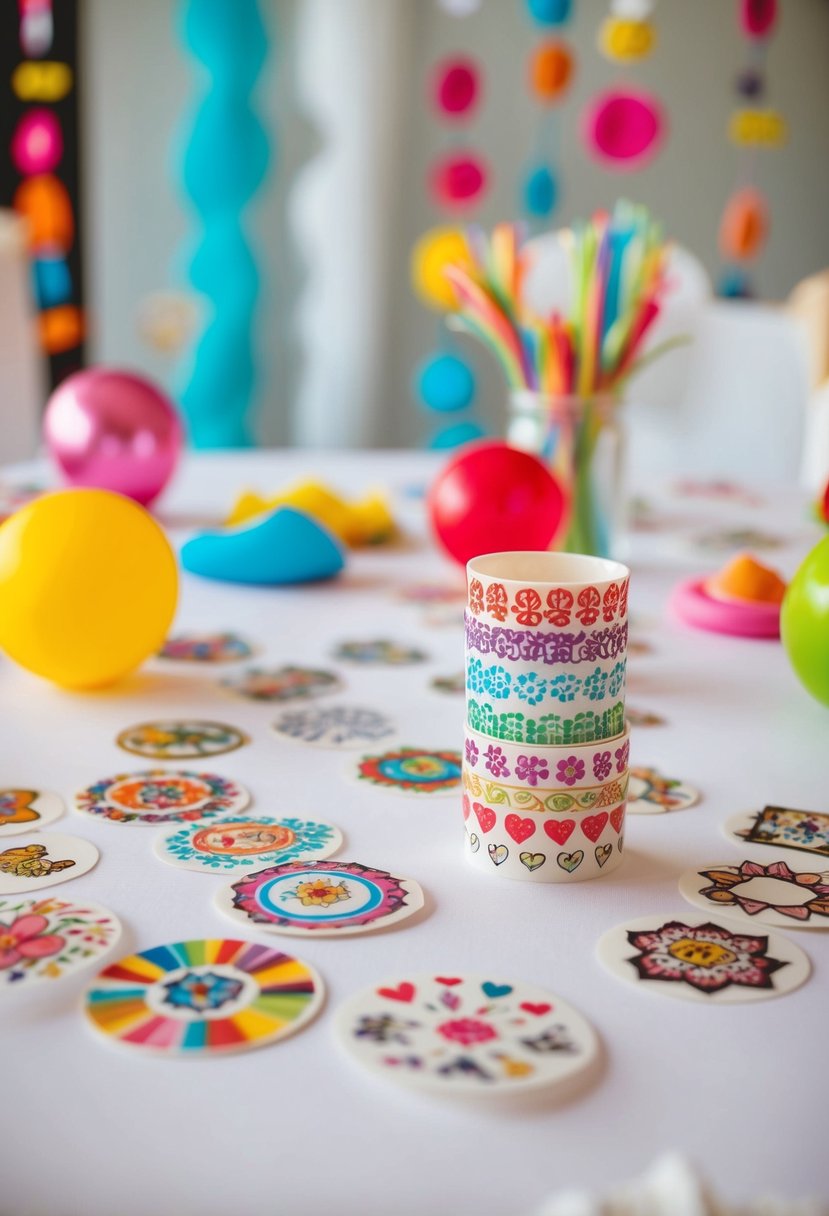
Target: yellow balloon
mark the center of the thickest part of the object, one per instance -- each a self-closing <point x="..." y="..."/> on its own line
<point x="88" y="587"/>
<point x="436" y="249"/>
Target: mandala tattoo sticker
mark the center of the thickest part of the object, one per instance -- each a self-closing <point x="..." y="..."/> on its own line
<point x="465" y="1034"/>
<point x="333" y="726"/>
<point x="206" y="648"/>
<point x="43" y="859"/>
<point x="180" y="739"/>
<point x="769" y="894"/>
<point x="203" y="998"/>
<point x="696" y="959"/>
<point x="412" y="770"/>
<point x="46" y="939"/>
<point x="238" y="846"/>
<point x="283" y="683"/>
<point x="158" y="796"/>
<point x="320" y="899"/>
<point x="25" y="810"/>
<point x="379" y="651"/>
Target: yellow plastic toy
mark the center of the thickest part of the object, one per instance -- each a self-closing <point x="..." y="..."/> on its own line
<point x="366" y="521"/>
<point x="88" y="587"/>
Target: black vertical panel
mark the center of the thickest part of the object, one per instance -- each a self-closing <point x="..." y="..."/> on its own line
<point x="50" y="38"/>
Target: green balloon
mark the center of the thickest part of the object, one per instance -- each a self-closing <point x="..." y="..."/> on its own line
<point x="804" y="622"/>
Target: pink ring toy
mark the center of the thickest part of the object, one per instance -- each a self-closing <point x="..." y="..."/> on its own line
<point x="694" y="606"/>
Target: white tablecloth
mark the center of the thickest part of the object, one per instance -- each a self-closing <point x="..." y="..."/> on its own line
<point x="298" y="1128"/>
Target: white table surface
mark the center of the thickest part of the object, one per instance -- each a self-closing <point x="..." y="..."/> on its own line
<point x="296" y="1128"/>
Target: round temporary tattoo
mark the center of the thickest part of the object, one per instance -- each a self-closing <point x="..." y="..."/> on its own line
<point x="209" y="997"/>
<point x="455" y="684"/>
<point x="43" y="859"/>
<point x="782" y="827"/>
<point x="283" y="683"/>
<point x="320" y="898"/>
<point x="412" y="770"/>
<point x="701" y="960"/>
<point x="48" y="938"/>
<point x="206" y="648"/>
<point x="24" y="810"/>
<point x="159" y="796"/>
<point x="465" y="1034"/>
<point x="769" y="895"/>
<point x="234" y="846"/>
<point x="379" y="650"/>
<point x="649" y="793"/>
<point x="180" y="739"/>
<point x="334" y="726"/>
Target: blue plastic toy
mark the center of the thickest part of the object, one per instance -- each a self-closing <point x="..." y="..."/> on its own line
<point x="283" y="547"/>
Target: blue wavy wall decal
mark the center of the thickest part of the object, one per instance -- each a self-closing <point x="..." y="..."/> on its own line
<point x="225" y="162"/>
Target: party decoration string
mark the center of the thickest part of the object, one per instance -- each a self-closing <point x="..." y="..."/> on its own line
<point x="550" y="73"/>
<point x="744" y="225"/>
<point x="444" y="382"/>
<point x="39" y="178"/>
<point x="624" y="127"/>
<point x="224" y="164"/>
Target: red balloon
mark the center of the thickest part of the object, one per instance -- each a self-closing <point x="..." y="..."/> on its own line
<point x="492" y="497"/>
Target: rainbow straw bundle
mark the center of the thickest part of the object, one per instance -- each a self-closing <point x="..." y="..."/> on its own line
<point x="617" y="272"/>
<point x="566" y="373"/>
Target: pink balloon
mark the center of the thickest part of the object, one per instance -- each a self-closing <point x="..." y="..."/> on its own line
<point x="115" y="431"/>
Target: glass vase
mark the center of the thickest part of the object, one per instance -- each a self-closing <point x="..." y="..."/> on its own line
<point x="581" y="441"/>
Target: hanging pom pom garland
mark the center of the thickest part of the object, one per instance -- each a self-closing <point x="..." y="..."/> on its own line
<point x="550" y="73"/>
<point x="744" y="226"/>
<point x="623" y="127"/>
<point x="457" y="180"/>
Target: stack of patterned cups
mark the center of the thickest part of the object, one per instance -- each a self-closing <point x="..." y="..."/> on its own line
<point x="545" y="769"/>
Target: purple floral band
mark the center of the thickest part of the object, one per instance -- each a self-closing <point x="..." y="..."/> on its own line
<point x="540" y="646"/>
<point x="606" y="761"/>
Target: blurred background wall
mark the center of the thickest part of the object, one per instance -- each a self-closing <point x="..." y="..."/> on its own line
<point x="343" y="95"/>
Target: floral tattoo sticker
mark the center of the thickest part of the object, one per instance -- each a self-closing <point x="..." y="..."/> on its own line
<point x="320" y="898"/>
<point x="701" y="960"/>
<point x="180" y="739"/>
<point x="465" y="1034"/>
<point x="25" y="810"/>
<point x="43" y="859"/>
<point x="159" y="796"/>
<point x="237" y="846"/>
<point x="412" y="770"/>
<point x="771" y="895"/>
<point x="203" y="998"/>
<point x="649" y="793"/>
<point x="782" y="827"/>
<point x="46" y="939"/>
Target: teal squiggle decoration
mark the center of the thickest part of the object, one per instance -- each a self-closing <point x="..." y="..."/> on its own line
<point x="225" y="162"/>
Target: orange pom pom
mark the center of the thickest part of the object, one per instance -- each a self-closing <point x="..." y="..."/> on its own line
<point x="551" y="68"/>
<point x="744" y="225"/>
